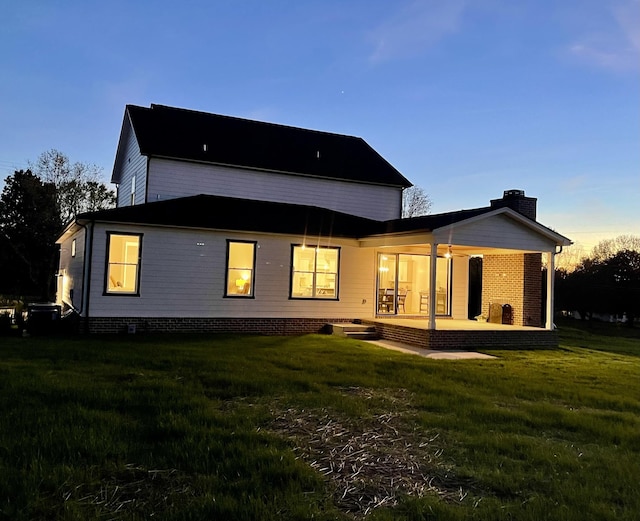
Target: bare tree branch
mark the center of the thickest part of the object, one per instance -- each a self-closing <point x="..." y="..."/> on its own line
<point x="415" y="202"/>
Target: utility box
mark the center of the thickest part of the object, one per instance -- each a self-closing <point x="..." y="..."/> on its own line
<point x="43" y="318"/>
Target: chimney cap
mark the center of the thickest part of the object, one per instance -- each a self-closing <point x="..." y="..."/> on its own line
<point x="513" y="193"/>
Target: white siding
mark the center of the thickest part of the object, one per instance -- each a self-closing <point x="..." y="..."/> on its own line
<point x="133" y="164"/>
<point x="70" y="270"/>
<point x="171" y="179"/>
<point x="460" y="288"/>
<point x="180" y="278"/>
<point x="498" y="231"/>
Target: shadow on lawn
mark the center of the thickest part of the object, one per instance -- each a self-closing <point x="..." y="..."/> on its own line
<point x="600" y="336"/>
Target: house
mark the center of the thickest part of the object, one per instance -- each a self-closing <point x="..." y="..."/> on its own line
<point x="227" y="224"/>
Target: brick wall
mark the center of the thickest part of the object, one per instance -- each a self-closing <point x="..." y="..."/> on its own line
<point x="261" y="326"/>
<point x="459" y="339"/>
<point x="532" y="298"/>
<point x="515" y="280"/>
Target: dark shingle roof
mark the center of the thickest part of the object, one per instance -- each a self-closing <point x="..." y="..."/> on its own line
<point x="229" y="213"/>
<point x="181" y="134"/>
<point x="432" y="222"/>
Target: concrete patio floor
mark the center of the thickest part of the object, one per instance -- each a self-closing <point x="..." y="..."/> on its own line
<point x="452" y="354"/>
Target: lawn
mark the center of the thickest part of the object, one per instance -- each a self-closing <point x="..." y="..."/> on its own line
<point x="317" y="427"/>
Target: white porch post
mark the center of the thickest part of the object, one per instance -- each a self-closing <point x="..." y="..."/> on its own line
<point x="432" y="285"/>
<point x="551" y="278"/>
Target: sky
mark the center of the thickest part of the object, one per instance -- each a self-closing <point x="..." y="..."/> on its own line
<point x="466" y="98"/>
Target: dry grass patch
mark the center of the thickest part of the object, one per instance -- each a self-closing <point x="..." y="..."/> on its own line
<point x="131" y="490"/>
<point x="373" y="461"/>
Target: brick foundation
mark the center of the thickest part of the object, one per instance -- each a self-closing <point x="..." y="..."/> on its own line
<point x="460" y="339"/>
<point x="438" y="339"/>
<point x="261" y="326"/>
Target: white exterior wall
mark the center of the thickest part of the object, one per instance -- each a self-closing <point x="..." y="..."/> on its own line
<point x="170" y="179"/>
<point x="179" y="278"/>
<point x="134" y="164"/>
<point x="70" y="272"/>
<point x="460" y="288"/>
<point x="499" y="231"/>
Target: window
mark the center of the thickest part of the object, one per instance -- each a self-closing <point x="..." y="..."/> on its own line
<point x="123" y="264"/>
<point x="133" y="190"/>
<point x="241" y="260"/>
<point x="314" y="272"/>
<point x="73" y="248"/>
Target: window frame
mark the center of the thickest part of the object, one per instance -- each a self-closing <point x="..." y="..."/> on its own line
<point x="251" y="294"/>
<point x="293" y="271"/>
<point x="106" y="291"/>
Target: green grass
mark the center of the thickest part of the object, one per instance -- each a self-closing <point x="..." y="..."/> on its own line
<point x="180" y="427"/>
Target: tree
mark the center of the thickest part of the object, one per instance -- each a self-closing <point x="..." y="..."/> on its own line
<point x="415" y="202"/>
<point x="78" y="186"/>
<point x="608" y="248"/>
<point x="29" y="224"/>
<point x="570" y="257"/>
<point x="606" y="282"/>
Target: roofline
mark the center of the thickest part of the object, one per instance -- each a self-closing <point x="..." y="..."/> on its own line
<point x="285" y="172"/>
<point x="119" y="150"/>
<point x="82" y="222"/>
<point x="237" y="118"/>
<point x="69" y="230"/>
<point x="362" y="234"/>
<point x="128" y="118"/>
<point x="530" y="223"/>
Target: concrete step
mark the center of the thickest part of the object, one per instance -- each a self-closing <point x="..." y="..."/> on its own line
<point x="358" y="331"/>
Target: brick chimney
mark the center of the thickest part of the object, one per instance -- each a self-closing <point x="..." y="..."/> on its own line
<point x="516" y="200"/>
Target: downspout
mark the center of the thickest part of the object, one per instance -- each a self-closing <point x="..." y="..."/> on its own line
<point x="86" y="272"/>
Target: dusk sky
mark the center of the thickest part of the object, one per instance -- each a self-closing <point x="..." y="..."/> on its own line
<point x="465" y="98"/>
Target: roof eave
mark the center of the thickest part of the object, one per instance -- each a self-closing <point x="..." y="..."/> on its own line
<point x="559" y="239"/>
<point x="118" y="163"/>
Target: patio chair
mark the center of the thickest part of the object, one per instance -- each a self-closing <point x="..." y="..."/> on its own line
<point x="402" y="296"/>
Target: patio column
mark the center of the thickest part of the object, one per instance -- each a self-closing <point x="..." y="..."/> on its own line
<point x="551" y="278"/>
<point x="432" y="285"/>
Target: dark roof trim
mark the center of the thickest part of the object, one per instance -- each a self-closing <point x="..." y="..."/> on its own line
<point x="189" y="135"/>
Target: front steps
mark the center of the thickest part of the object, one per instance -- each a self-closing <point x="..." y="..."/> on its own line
<point x="356" y="331"/>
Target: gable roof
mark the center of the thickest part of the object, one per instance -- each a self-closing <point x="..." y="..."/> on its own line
<point x="233" y="214"/>
<point x="432" y="222"/>
<point x="190" y="135"/>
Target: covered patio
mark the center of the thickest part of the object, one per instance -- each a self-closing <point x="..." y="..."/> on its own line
<point x="431" y="257"/>
<point x="461" y="334"/>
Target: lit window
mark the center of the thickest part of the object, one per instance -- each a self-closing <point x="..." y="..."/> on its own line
<point x="241" y="260"/>
<point x="123" y="264"/>
<point x="315" y="272"/>
<point x="73" y="248"/>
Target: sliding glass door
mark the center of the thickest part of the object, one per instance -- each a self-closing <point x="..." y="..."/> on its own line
<point x="403" y="284"/>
